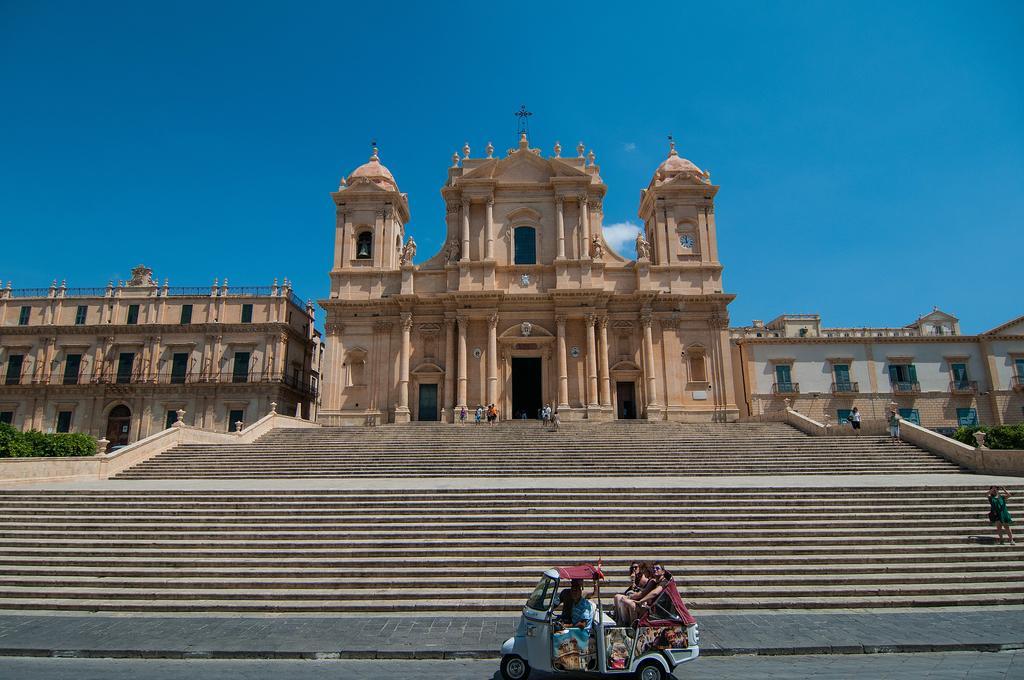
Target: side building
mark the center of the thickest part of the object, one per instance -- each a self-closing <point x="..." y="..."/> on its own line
<point x="119" y="362"/>
<point x="936" y="376"/>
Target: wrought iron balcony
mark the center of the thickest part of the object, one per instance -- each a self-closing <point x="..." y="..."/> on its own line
<point x="785" y="388"/>
<point x="906" y="386"/>
<point x="963" y="386"/>
<point x="847" y="387"/>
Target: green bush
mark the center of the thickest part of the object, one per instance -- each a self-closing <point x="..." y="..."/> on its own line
<point x="15" y="444"/>
<point x="999" y="437"/>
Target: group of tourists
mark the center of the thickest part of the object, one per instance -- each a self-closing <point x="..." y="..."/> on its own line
<point x="490" y="412"/>
<point x="647" y="580"/>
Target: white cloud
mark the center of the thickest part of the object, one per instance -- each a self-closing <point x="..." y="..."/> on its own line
<point x="629" y="146"/>
<point x="621" y="236"/>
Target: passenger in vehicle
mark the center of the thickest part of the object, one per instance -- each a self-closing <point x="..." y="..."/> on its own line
<point x="629" y="608"/>
<point x="637" y="579"/>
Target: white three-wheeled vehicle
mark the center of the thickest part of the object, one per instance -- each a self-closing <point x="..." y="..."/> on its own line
<point x="663" y="637"/>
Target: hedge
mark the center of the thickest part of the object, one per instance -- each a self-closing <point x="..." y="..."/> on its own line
<point x="16" y="444"/>
<point x="999" y="437"/>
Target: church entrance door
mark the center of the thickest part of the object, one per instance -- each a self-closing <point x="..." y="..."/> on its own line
<point x="526" y="386"/>
<point x="428" y="402"/>
<point x="625" y="397"/>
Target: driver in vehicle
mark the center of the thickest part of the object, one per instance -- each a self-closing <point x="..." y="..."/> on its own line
<point x="577" y="611"/>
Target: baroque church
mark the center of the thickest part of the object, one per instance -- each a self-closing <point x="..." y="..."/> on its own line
<point x="526" y="304"/>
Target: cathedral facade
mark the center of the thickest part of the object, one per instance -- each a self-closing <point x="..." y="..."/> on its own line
<point x="526" y="304"/>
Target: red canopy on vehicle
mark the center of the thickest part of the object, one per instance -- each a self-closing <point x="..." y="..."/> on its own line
<point x="583" y="571"/>
<point x="680" y="606"/>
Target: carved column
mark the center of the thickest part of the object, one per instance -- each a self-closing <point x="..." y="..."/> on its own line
<point x="402" y="412"/>
<point x="563" y="374"/>
<point x="602" y="354"/>
<point x="492" y="359"/>
<point x="465" y="230"/>
<point x="489" y="245"/>
<point x="449" y="365"/>
<point x="560" y="226"/>
<point x="463" y="362"/>
<point x="585" y="222"/>
<point x="652" y="386"/>
<point x="589" y="320"/>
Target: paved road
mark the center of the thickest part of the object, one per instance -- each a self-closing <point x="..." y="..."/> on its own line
<point x="948" y="666"/>
<point x="431" y="637"/>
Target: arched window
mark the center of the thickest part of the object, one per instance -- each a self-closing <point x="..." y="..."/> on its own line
<point x="364" y="246"/>
<point x="526" y="245"/>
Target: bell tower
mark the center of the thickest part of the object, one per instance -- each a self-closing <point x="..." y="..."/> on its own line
<point x="678" y="212"/>
<point x="371" y="214"/>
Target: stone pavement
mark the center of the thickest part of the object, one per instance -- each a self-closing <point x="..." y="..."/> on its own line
<point x="369" y="637"/>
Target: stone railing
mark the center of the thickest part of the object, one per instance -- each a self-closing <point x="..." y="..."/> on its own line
<point x="15" y="471"/>
<point x="981" y="460"/>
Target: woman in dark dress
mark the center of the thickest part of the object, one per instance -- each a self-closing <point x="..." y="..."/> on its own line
<point x="998" y="513"/>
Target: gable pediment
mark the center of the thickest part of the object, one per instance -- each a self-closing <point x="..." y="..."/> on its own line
<point x="524" y="166"/>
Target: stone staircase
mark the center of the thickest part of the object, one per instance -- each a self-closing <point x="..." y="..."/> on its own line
<point x="480" y="550"/>
<point x="525" y="449"/>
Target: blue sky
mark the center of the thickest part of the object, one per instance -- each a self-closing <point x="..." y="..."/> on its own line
<point x="870" y="154"/>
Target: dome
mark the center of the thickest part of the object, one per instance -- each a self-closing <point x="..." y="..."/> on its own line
<point x="374" y="172"/>
<point x="677" y="165"/>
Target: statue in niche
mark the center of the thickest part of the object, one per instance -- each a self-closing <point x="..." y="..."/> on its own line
<point x="643" y="248"/>
<point x="408" y="251"/>
<point x="596" y="249"/>
<point x="452" y="250"/>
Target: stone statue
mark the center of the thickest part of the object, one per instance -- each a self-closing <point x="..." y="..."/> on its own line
<point x="408" y="251"/>
<point x="452" y="250"/>
<point x="142" y="276"/>
<point x="643" y="248"/>
<point x="596" y="249"/>
<point x="526" y="328"/>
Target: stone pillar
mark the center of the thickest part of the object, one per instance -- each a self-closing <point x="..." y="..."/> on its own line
<point x="560" y="226"/>
<point x="602" y="355"/>
<point x="585" y="222"/>
<point x="402" y="412"/>
<point x="463" y="362"/>
<point x="652" y="385"/>
<point x="449" y="366"/>
<point x="589" y="320"/>
<point x="492" y="359"/>
<point x="489" y="245"/>
<point x="563" y="373"/>
<point x="465" y="230"/>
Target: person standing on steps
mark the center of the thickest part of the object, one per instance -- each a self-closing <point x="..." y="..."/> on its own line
<point x="998" y="513"/>
<point x="479" y="414"/>
<point x="854" y="419"/>
<point x="556" y="420"/>
<point x="894" y="425"/>
<point x="462" y="416"/>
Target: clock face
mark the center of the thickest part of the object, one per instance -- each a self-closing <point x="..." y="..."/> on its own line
<point x="686" y="241"/>
<point x="477" y="352"/>
<point x="574" y="352"/>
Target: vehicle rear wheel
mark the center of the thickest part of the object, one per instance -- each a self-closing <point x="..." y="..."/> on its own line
<point x="650" y="670"/>
<point x="514" y="668"/>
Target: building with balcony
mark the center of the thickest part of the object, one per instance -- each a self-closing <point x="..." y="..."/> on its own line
<point x="119" y="362"/>
<point x="936" y="376"/>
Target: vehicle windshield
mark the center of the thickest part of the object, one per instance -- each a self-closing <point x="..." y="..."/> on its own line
<point x="540" y="599"/>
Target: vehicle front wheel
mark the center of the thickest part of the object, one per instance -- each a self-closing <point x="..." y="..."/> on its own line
<point x="650" y="670"/>
<point x="514" y="668"/>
